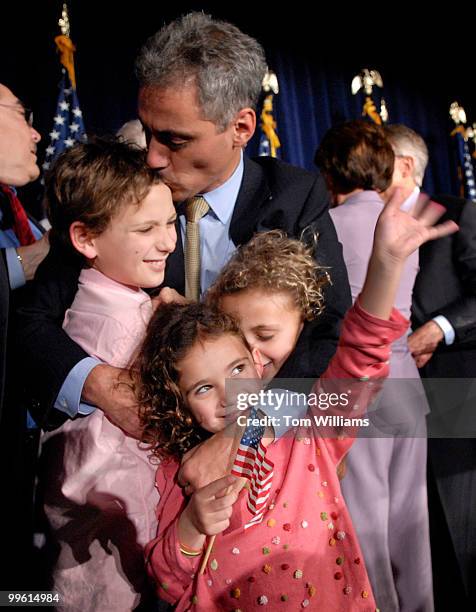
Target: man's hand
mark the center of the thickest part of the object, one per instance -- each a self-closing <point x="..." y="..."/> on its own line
<point x="210" y="460"/>
<point x="208" y="511"/>
<point x="423" y="342"/>
<point x="33" y="254"/>
<point x="423" y="359"/>
<point x="110" y="389"/>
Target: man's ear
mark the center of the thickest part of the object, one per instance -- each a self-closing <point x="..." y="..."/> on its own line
<point x="406" y="165"/>
<point x="244" y="125"/>
<point x="258" y="361"/>
<point x="82" y="239"/>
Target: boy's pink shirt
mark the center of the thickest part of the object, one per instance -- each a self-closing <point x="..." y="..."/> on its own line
<point x="107" y="319"/>
<point x="306" y="527"/>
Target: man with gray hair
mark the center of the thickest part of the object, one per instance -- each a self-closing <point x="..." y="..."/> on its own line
<point x="200" y="80"/>
<point x="411" y="152"/>
<point x="444" y="346"/>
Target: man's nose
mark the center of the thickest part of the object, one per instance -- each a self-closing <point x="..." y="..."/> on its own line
<point x="158" y="155"/>
<point x="36" y="136"/>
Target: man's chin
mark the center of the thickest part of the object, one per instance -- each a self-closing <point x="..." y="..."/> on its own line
<point x="34" y="174"/>
<point x="180" y="194"/>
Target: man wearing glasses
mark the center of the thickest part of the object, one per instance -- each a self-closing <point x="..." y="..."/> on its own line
<point x="24" y="245"/>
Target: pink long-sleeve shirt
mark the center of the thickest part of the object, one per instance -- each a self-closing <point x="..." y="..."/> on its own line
<point x="305" y="552"/>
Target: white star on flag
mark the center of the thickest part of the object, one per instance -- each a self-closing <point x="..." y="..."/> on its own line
<point x="68" y="122"/>
<point x="46" y="165"/>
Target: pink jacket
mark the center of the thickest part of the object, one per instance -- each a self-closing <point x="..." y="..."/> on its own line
<point x="305" y="551"/>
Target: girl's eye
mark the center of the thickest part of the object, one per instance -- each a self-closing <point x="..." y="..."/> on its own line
<point x="172" y="221"/>
<point x="238" y="369"/>
<point x="144" y="230"/>
<point x="264" y="337"/>
<point x="203" y="389"/>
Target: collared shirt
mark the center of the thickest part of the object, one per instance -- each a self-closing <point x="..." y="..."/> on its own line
<point x="440" y="320"/>
<point x="411" y="200"/>
<point x="108" y="321"/>
<point x="216" y="246"/>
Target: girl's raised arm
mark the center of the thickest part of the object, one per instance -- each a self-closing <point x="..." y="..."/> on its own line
<point x="397" y="235"/>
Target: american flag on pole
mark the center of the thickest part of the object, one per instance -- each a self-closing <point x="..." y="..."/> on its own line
<point x="68" y="125"/>
<point x="465" y="165"/>
<point x="251" y="463"/>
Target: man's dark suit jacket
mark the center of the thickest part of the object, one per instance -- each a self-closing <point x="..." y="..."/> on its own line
<point x="273" y="195"/>
<point x="17" y="446"/>
<point x="446" y="284"/>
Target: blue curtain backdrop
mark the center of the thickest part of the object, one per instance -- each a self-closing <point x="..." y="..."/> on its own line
<point x="423" y="69"/>
<point x="312" y="99"/>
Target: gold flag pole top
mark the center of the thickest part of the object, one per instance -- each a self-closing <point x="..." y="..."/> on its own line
<point x="367" y="80"/>
<point x="65" y="45"/>
<point x="268" y="124"/>
<point x="63" y="22"/>
<point x="458" y="114"/>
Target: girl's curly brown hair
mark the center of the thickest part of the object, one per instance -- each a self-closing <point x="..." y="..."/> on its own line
<point x="170" y="429"/>
<point x="273" y="262"/>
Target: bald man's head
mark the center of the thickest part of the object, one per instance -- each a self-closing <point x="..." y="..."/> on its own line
<point x="18" y="140"/>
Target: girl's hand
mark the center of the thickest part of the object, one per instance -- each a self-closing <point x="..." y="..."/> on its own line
<point x="208" y="512"/>
<point x="399" y="233"/>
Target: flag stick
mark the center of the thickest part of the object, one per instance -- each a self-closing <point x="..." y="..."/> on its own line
<point x="231" y="460"/>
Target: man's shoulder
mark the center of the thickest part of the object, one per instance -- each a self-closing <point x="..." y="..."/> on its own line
<point x="281" y="179"/>
<point x="272" y="167"/>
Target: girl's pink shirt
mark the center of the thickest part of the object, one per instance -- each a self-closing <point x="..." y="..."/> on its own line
<point x="305" y="552"/>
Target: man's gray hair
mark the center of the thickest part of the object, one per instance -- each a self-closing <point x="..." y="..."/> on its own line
<point x="407" y="143"/>
<point x="227" y="65"/>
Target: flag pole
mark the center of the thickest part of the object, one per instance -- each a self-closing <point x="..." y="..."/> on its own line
<point x="460" y="135"/>
<point x="231" y="460"/>
<point x="68" y="125"/>
<point x="367" y="80"/>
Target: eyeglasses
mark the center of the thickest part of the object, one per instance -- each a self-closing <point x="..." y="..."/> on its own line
<point x="27" y="113"/>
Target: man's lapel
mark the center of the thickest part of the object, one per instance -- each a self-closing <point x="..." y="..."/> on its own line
<point x="253" y="192"/>
<point x="175" y="267"/>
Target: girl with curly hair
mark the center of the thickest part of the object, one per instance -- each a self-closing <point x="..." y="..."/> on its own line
<point x="300" y="549"/>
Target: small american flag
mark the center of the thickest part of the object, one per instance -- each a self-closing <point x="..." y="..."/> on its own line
<point x="251" y="463"/>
